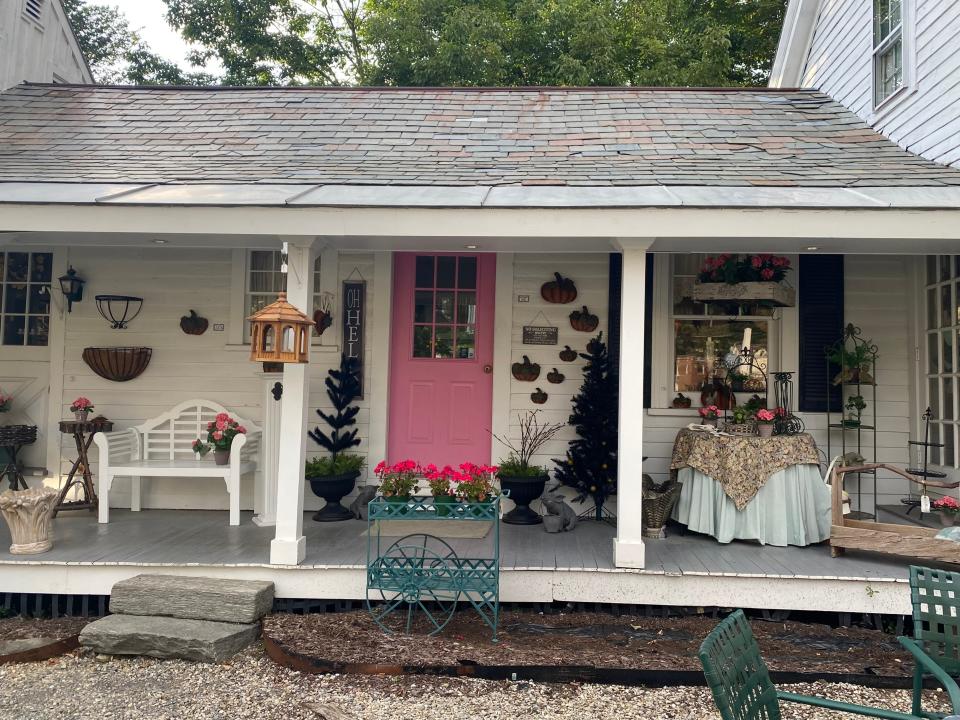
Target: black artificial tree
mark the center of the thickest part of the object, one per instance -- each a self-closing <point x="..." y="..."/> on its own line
<point x="591" y="462"/>
<point x="343" y="386"/>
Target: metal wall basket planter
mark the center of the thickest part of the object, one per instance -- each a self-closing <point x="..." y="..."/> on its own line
<point x="117" y="364"/>
<point x="118" y="310"/>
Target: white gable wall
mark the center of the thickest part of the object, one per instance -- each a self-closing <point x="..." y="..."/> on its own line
<point x="924" y="117"/>
<point x="43" y="51"/>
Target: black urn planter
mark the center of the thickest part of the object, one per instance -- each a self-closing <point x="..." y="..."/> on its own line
<point x="523" y="491"/>
<point x="333" y="488"/>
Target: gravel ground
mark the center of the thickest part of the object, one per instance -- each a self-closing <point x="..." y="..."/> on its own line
<point x="252" y="686"/>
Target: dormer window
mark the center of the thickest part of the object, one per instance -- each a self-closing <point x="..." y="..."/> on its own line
<point x="887" y="49"/>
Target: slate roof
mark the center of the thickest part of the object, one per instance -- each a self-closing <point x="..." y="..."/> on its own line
<point x="479" y="137"/>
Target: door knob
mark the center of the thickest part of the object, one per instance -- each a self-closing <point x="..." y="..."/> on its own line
<point x="488" y="369"/>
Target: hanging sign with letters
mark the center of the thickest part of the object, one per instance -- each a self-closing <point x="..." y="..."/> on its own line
<point x="354" y="307"/>
<point x="542" y="334"/>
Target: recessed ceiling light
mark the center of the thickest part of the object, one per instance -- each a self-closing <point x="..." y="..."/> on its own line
<point x="470" y="247"/>
<point x="159" y="241"/>
<point x="813" y="248"/>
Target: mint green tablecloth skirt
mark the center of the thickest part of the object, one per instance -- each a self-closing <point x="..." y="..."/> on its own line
<point x="792" y="508"/>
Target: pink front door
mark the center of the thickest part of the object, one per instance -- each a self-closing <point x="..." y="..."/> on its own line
<point x="441" y="350"/>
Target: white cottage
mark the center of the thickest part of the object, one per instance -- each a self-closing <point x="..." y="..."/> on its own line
<point x="470" y="198"/>
<point x="895" y="63"/>
<point x="37" y="44"/>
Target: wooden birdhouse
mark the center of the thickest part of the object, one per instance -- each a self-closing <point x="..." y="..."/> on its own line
<point x="279" y="333"/>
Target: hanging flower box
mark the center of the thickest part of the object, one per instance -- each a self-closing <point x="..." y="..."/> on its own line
<point x="735" y="278"/>
<point x="769" y="292"/>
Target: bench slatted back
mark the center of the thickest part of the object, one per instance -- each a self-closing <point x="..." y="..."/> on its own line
<point x="170" y="436"/>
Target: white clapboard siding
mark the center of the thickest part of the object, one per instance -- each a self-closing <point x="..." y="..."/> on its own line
<point x="38" y="49"/>
<point x="926" y="119"/>
<point x="171" y="282"/>
<point x="876" y="299"/>
<point x="590" y="273"/>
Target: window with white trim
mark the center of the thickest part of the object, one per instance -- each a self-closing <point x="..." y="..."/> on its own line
<point x="942" y="321"/>
<point x="25" y="297"/>
<point x="707" y="336"/>
<point x="888" y="50"/>
<point x="264" y="280"/>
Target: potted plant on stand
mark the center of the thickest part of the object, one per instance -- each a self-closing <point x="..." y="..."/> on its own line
<point x="398" y="482"/>
<point x="439" y="481"/>
<point x="523" y="481"/>
<point x="475" y="483"/>
<point x="765" y="419"/>
<point x="81" y="408"/>
<point x="334" y="476"/>
<point x="855" y="407"/>
<point x="220" y="434"/>
<point x="709" y="415"/>
<point x="948" y="508"/>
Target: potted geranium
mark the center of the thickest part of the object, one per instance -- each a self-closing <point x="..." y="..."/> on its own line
<point x="398" y="482"/>
<point x="730" y="277"/>
<point x="709" y="415"/>
<point x="948" y="508"/>
<point x="475" y="482"/>
<point x="220" y="434"/>
<point x="522" y="480"/>
<point x="81" y="408"/>
<point x="332" y="477"/>
<point x="765" y="419"/>
<point x="439" y="480"/>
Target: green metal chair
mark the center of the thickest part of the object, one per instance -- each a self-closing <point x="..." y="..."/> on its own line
<point x="740" y="682"/>
<point x="935" y="645"/>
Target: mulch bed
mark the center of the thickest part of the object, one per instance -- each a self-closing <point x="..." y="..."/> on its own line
<point x="18" y="628"/>
<point x="579" y="639"/>
<point x="30" y="640"/>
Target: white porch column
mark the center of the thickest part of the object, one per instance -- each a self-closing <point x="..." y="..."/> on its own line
<point x="289" y="546"/>
<point x="628" y="545"/>
<point x="265" y="497"/>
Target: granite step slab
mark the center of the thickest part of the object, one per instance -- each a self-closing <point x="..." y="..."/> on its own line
<point x="193" y="598"/>
<point x="167" y="637"/>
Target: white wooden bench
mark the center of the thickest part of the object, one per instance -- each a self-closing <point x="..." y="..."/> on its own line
<point x="162" y="447"/>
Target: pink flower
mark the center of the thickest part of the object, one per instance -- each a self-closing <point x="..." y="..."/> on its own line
<point x="241" y="429"/>
<point x="218" y="435"/>
<point x="765" y="416"/>
<point x="221" y="425"/>
<point x="223" y="416"/>
<point x="381" y="466"/>
<point x="766" y="274"/>
<point x="756" y="261"/>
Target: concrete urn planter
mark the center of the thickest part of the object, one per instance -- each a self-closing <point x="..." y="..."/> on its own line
<point x="28" y="514"/>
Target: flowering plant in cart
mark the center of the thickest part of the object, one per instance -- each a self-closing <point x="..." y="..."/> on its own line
<point x="220" y="434"/>
<point x="475" y="482"/>
<point x="399" y="480"/>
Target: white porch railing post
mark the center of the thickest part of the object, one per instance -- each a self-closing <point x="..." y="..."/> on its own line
<point x="628" y="548"/>
<point x="265" y="498"/>
<point x="289" y="546"/>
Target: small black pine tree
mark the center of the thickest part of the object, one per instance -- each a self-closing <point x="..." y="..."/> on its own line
<point x="591" y="462"/>
<point x="343" y="386"/>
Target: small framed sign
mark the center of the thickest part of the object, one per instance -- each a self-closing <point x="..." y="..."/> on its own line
<point x="540" y="335"/>
<point x="354" y="321"/>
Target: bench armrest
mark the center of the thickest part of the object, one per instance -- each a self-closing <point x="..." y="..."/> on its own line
<point x="844" y="707"/>
<point x="928" y="665"/>
<point x="236" y="447"/>
<point x="119" y="446"/>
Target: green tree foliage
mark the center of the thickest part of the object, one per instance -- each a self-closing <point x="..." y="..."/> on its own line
<point x="117" y="54"/>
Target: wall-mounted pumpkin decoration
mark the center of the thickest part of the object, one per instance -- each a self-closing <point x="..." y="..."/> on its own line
<point x="583" y="321"/>
<point x="555" y="377"/>
<point x="193" y="324"/>
<point x="561" y="290"/>
<point x="321" y="321"/>
<point x="525" y="371"/>
<point x="538" y="396"/>
<point x="568" y="354"/>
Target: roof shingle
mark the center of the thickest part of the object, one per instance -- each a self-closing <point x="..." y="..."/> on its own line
<point x="488" y="137"/>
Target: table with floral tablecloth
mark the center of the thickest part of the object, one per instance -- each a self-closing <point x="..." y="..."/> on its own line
<point x="751" y="488"/>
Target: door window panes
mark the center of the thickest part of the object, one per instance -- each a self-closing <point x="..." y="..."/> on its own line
<point x="445" y="307"/>
<point x="25" y="297"/>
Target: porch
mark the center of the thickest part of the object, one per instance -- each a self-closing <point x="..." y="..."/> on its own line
<point x="681" y="570"/>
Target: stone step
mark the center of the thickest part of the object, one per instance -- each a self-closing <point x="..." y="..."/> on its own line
<point x="193" y="598"/>
<point x="167" y="637"/>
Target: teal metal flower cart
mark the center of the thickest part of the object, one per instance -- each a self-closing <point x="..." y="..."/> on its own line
<point x="415" y="582"/>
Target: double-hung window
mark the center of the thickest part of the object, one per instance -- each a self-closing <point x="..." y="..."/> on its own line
<point x="888" y="49"/>
<point x="265" y="279"/>
<point x="708" y="338"/>
<point x="942" y="321"/>
<point x="25" y="297"/>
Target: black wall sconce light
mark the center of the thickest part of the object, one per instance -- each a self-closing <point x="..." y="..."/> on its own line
<point x="71" y="286"/>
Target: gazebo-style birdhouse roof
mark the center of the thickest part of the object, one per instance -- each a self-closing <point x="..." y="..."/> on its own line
<point x="279" y="333"/>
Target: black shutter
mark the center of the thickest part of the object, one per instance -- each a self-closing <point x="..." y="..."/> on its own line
<point x="820" y="301"/>
<point x="613" y="303"/>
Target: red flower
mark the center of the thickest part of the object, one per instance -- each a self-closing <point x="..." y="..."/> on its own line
<point x="766" y="274"/>
<point x="756" y="261"/>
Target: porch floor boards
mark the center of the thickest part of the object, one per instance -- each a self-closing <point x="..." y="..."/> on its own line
<point x="203" y="537"/>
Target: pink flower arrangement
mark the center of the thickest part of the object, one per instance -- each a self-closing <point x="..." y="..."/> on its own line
<point x="398" y="480"/>
<point x="947" y="505"/>
<point x="711" y="412"/>
<point x="220" y="434"/>
<point x="765" y="416"/>
<point x="81" y="404"/>
<point x="732" y="269"/>
<point x="468" y="482"/>
<point x="6" y="401"/>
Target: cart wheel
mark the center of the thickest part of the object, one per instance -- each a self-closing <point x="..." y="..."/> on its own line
<point x="415" y="585"/>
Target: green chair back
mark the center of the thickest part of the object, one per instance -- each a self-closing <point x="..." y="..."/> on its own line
<point x="935" y="595"/>
<point x="737" y="675"/>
